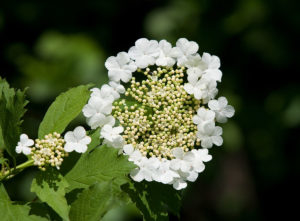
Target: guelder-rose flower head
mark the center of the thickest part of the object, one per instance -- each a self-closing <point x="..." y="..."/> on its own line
<point x="166" y="116"/>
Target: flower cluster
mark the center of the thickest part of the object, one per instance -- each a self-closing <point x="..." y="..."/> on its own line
<point x="51" y="150"/>
<point x="167" y="116"/>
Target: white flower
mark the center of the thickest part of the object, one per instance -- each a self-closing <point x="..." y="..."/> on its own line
<point x="182" y="161"/>
<point x="112" y="135"/>
<point x="212" y="65"/>
<point x="210" y="134"/>
<point x="117" y="89"/>
<point x="179" y="184"/>
<point x="24" y="145"/>
<point x="76" y="140"/>
<point x="120" y="67"/>
<point x="106" y="93"/>
<point x="203" y="116"/>
<point x="194" y="61"/>
<point x="168" y="55"/>
<point x="201" y="89"/>
<point x="144" y="52"/>
<point x="201" y="155"/>
<point x="222" y="110"/>
<point x="147" y="169"/>
<point x="96" y="112"/>
<point x="186" y="48"/>
<point x="164" y="174"/>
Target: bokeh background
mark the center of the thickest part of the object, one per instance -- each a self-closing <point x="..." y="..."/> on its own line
<point x="49" y="46"/>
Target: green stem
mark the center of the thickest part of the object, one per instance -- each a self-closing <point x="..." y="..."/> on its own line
<point x="11" y="173"/>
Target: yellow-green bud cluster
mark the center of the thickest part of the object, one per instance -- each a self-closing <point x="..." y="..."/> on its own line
<point x="49" y="151"/>
<point x="163" y="118"/>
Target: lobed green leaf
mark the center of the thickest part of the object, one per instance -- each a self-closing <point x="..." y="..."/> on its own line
<point x="93" y="203"/>
<point x="153" y="199"/>
<point x="101" y="164"/>
<point x="64" y="109"/>
<point x="50" y="188"/>
<point x="12" y="109"/>
<point x="11" y="211"/>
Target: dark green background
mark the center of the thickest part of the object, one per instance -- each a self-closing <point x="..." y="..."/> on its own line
<point x="50" y="46"/>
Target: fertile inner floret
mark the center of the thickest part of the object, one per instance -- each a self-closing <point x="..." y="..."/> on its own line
<point x="157" y="115"/>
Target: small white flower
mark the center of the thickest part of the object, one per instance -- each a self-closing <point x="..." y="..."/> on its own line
<point x="147" y="169"/>
<point x="203" y="116"/>
<point x="201" y="155"/>
<point x="182" y="161"/>
<point x="167" y="56"/>
<point x="24" y="145"/>
<point x="212" y="65"/>
<point x="120" y="67"/>
<point x="201" y="89"/>
<point x="117" y="89"/>
<point x="76" y="140"/>
<point x="112" y="135"/>
<point x="144" y="52"/>
<point x="222" y="110"/>
<point x="210" y="134"/>
<point x="106" y="93"/>
<point x="186" y="48"/>
<point x="164" y="174"/>
<point x="96" y="111"/>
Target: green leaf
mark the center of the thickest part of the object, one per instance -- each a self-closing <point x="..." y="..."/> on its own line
<point x="154" y="200"/>
<point x="50" y="188"/>
<point x="12" y="109"/>
<point x="64" y="109"/>
<point x="11" y="211"/>
<point x="93" y="203"/>
<point x="101" y="164"/>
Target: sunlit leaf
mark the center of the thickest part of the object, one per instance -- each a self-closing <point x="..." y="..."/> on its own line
<point x="64" y="109"/>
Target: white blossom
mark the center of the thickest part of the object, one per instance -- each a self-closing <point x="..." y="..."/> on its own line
<point x="210" y="134"/>
<point x="203" y="116"/>
<point x="144" y="52"/>
<point x="117" y="89"/>
<point x="120" y="67"/>
<point x="168" y="54"/>
<point x="76" y="140"/>
<point x="164" y="173"/>
<point x="96" y="111"/>
<point x="222" y="110"/>
<point x="112" y="135"/>
<point x="24" y="145"/>
<point x="147" y="169"/>
<point x="186" y="48"/>
<point x="182" y="161"/>
<point x="211" y="65"/>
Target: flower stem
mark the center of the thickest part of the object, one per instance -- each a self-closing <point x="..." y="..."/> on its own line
<point x="12" y="172"/>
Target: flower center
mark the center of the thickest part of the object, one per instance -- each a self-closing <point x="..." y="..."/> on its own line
<point x="158" y="114"/>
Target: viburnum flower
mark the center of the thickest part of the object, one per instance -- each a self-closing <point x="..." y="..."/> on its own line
<point x="120" y="67"/>
<point x="24" y="145"/>
<point x="167" y="116"/>
<point x="112" y="135"/>
<point x="76" y="140"/>
<point x="222" y="110"/>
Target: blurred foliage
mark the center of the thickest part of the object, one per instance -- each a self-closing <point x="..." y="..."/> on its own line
<point x="52" y="45"/>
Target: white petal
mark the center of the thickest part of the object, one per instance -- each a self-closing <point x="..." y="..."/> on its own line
<point x="179" y="184"/>
<point x="128" y="149"/>
<point x="79" y="132"/>
<point x="217" y="140"/>
<point x="213" y="105"/>
<point x="189" y="88"/>
<point x="69" y="137"/>
<point x="177" y="152"/>
<point x="26" y="150"/>
<point x="206" y="142"/>
<point x="69" y="147"/>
